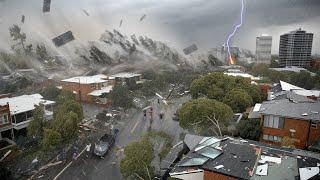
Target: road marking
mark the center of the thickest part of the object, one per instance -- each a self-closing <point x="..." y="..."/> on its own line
<point x="134" y="127"/>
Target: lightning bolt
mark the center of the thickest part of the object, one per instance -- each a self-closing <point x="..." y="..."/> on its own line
<point x="234" y="32"/>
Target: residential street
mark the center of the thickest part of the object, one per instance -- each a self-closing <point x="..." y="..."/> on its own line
<point x="131" y="129"/>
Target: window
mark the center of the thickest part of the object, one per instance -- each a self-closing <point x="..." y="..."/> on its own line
<point x="4" y="119"/>
<point x="272" y="138"/>
<point x="314" y="125"/>
<point x="273" y="121"/>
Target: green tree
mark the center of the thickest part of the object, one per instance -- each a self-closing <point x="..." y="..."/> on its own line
<point x="137" y="161"/>
<point x="51" y="93"/>
<point x="65" y="96"/>
<point x="260" y="69"/>
<point x="302" y="79"/>
<point x="69" y="129"/>
<point x="238" y="100"/>
<point x="35" y="128"/>
<point x="41" y="52"/>
<point x="202" y="115"/>
<point x="51" y="139"/>
<point x="249" y="129"/>
<point x="120" y="97"/>
<point x="18" y="35"/>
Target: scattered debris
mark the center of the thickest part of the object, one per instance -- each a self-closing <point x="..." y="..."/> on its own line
<point x="63" y="39"/>
<point x="86" y="12"/>
<point x="190" y="49"/>
<point x="219" y="166"/>
<point x="22" y="18"/>
<point x="308" y="172"/>
<point x="265" y="159"/>
<point x="143" y="17"/>
<point x="46" y="6"/>
<point x="5" y="155"/>
<point x="262" y="170"/>
<point x="120" y="23"/>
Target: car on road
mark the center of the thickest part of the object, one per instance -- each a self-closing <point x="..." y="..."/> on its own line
<point x="104" y="145"/>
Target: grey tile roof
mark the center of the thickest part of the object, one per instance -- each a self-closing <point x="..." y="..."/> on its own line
<point x="290" y="109"/>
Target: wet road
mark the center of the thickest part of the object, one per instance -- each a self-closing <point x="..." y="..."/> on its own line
<point x="131" y="129"/>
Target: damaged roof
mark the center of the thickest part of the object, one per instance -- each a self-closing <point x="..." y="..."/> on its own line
<point x="100" y="78"/>
<point x="284" y="108"/>
<point x="247" y="159"/>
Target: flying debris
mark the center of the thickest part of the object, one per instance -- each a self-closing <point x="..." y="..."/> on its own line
<point x="46" y="5"/>
<point x="143" y="17"/>
<point x="190" y="49"/>
<point x="63" y="39"/>
<point x="120" y="23"/>
<point x="22" y="18"/>
<point x="86" y="12"/>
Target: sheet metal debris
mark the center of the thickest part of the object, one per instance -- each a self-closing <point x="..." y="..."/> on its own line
<point x="46" y="6"/>
<point x="120" y="23"/>
<point x="86" y="12"/>
<point x="262" y="170"/>
<point x="190" y="49"/>
<point x="308" y="172"/>
<point x="23" y="18"/>
<point x="63" y="39"/>
<point x="265" y="159"/>
<point x="143" y="17"/>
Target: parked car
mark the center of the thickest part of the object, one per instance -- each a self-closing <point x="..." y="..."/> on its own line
<point x="104" y="145"/>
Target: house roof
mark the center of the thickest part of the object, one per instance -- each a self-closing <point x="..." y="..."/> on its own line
<point x="254" y="114"/>
<point x="307" y="93"/>
<point x="100" y="78"/>
<point x="24" y="103"/>
<point x="287" y="87"/>
<point x="247" y="159"/>
<point x="104" y="90"/>
<point x="291" y="109"/>
<point x="125" y="75"/>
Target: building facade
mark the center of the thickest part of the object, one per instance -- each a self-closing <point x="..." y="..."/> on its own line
<point x="5" y="122"/>
<point x="89" y="89"/>
<point x="17" y="112"/>
<point x="295" y="49"/>
<point x="263" y="49"/>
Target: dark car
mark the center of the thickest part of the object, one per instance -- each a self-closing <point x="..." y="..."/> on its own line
<point x="104" y="145"/>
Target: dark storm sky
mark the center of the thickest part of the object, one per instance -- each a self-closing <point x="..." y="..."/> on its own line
<point x="176" y="22"/>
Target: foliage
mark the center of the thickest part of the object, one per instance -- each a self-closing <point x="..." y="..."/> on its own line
<point x="194" y="115"/>
<point x="51" y="93"/>
<point x="35" y="128"/>
<point x="5" y="173"/>
<point x="217" y="85"/>
<point x="17" y="35"/>
<point x="155" y="136"/>
<point x="120" y="97"/>
<point x="287" y="141"/>
<point x="137" y="161"/>
<point x="51" y="139"/>
<point x="65" y="96"/>
<point x="238" y="100"/>
<point x="249" y="129"/>
<point x="41" y="52"/>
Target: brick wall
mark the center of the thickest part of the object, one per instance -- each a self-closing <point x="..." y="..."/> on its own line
<point x="301" y="135"/>
<point x="82" y="89"/>
<point x="314" y="134"/>
<point x="208" y="175"/>
<point x="5" y="110"/>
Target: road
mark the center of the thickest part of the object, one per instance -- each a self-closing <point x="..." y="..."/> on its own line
<point x="131" y="129"/>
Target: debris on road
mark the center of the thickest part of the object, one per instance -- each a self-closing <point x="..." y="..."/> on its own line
<point x="5" y="155"/>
